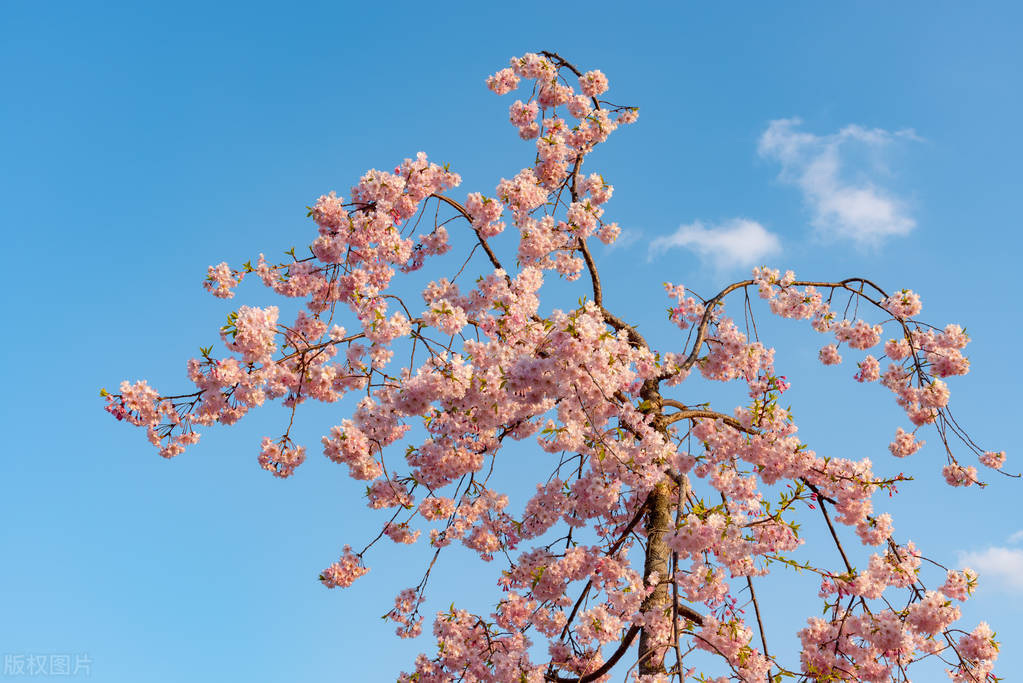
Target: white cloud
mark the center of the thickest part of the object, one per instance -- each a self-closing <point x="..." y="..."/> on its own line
<point x="737" y="242"/>
<point x="1001" y="567"/>
<point x="1016" y="537"/>
<point x="859" y="210"/>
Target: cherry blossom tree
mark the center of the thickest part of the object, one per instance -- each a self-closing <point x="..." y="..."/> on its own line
<point x="656" y="516"/>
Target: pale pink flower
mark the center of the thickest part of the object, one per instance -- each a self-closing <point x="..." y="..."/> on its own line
<point x="829" y="355"/>
<point x="993" y="459"/>
<point x="345" y="571"/>
<point x="280" y="461"/>
<point x="593" y="83"/>
<point x="870" y="370"/>
<point x="959" y="585"/>
<point x="503" y="82"/>
<point x="903" y="304"/>
<point x="980" y="644"/>
<point x="905" y="443"/>
<point x="897" y="349"/>
<point x="957" y="475"/>
<point x="221" y="280"/>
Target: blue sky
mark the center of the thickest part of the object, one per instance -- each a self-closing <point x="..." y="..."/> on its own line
<point x="140" y="144"/>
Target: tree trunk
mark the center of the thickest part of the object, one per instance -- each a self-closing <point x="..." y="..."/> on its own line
<point x="658" y="523"/>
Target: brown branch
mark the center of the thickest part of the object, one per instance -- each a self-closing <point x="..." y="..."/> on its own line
<point x="598" y="297"/>
<point x="756" y="609"/>
<point x="689" y="613"/>
<point x="617" y="323"/>
<point x="701" y="332"/>
<point x="483" y="243"/>
<point x="693" y="413"/>
<point x="561" y="61"/>
<point x="611" y="551"/>
<point x="831" y="527"/>
<point x="628" y="529"/>
<point x="605" y="667"/>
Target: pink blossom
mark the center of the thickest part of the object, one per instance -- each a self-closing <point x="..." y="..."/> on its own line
<point x="593" y="83"/>
<point x="580" y="106"/>
<point x="329" y="213"/>
<point x="932" y="615"/>
<point x="897" y="349"/>
<point x="903" y="304"/>
<point x="608" y="232"/>
<point x="870" y="370"/>
<point x="979" y="644"/>
<point x="522" y="115"/>
<point x="345" y="571"/>
<point x="957" y="475"/>
<point x="503" y="82"/>
<point x="253" y="332"/>
<point x="628" y="115"/>
<point x="859" y="335"/>
<point x="959" y="585"/>
<point x="221" y="280"/>
<point x="905" y="443"/>
<point x="829" y="355"/>
<point x="280" y="461"/>
<point x="875" y="531"/>
<point x="401" y="533"/>
<point x="993" y="459"/>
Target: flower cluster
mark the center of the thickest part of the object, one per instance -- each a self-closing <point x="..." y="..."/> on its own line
<point x="345" y="571"/>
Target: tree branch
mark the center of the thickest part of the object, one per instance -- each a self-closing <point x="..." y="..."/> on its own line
<point x="483" y="243"/>
<point x="606" y="666"/>
<point x="598" y="297"/>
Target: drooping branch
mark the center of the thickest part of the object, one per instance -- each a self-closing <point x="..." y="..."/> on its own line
<point x="562" y="62"/>
<point x="709" y="306"/>
<point x="630" y="635"/>
<point x="701" y="330"/>
<point x="831" y="527"/>
<point x="591" y="266"/>
<point x="756" y="610"/>
<point x="610" y="553"/>
<point x="483" y="242"/>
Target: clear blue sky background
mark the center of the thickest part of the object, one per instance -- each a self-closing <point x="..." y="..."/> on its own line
<point x="140" y="143"/>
